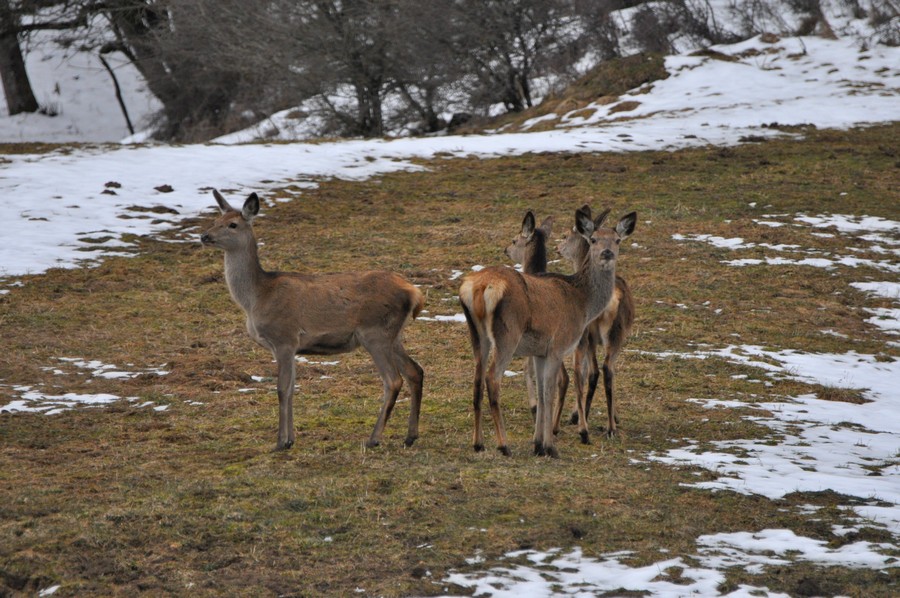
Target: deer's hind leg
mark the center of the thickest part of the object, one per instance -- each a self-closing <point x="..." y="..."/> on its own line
<point x="498" y="357"/>
<point x="381" y="349"/>
<point x="414" y="375"/>
<point x="479" y="350"/>
<point x="562" y="385"/>
<point x="609" y="375"/>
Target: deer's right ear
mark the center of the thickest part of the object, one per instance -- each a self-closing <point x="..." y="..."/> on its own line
<point x="251" y="207"/>
<point x="626" y="225"/>
<point x="584" y="225"/>
<point x="587" y="210"/>
<point x="224" y="206"/>
<point x="528" y="224"/>
<point x="547" y="226"/>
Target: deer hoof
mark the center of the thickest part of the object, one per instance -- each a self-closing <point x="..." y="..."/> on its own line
<point x="479" y="448"/>
<point x="612" y="434"/>
<point x="283" y="446"/>
<point x="504" y="451"/>
<point x="585" y="437"/>
<point x="574" y="419"/>
<point x="371" y="443"/>
<point x="409" y="441"/>
<point x="551" y="452"/>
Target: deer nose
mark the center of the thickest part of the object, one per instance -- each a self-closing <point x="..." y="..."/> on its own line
<point x="607" y="254"/>
<point x="205" y="238"/>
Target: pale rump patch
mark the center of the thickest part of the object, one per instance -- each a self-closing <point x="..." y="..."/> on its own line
<point x="466" y="293"/>
<point x="493" y="294"/>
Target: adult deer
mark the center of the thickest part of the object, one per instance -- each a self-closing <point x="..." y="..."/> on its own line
<point x="529" y="249"/>
<point x="539" y="315"/>
<point x="319" y="314"/>
<point x="610" y="329"/>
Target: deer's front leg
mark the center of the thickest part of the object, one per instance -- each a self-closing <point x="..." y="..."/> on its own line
<point x="286" y="380"/>
<point x="531" y="386"/>
<point x="547" y="369"/>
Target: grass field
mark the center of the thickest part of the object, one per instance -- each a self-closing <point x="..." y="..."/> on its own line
<point x="192" y="499"/>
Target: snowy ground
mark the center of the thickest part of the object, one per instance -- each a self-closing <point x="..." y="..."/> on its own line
<point x="61" y="204"/>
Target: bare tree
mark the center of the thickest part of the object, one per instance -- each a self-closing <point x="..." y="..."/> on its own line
<point x="346" y="50"/>
<point x="16" y="86"/>
<point x="507" y="42"/>
<point x="19" y="18"/>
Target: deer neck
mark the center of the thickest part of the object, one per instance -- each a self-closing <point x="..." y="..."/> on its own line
<point x="536" y="258"/>
<point x="598" y="284"/>
<point x="243" y="275"/>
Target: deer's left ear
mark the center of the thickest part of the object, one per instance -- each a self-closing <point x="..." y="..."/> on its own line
<point x="251" y="207"/>
<point x="626" y="225"/>
<point x="528" y="224"/>
<point x="584" y="225"/>
<point x="224" y="206"/>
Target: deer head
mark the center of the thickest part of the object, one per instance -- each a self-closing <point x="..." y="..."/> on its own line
<point x="232" y="230"/>
<point x="590" y="240"/>
<point x="529" y="246"/>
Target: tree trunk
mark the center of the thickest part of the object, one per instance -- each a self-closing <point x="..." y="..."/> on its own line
<point x="16" y="86"/>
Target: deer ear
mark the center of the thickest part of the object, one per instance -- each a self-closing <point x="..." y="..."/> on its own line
<point x="528" y="224"/>
<point x="584" y="226"/>
<point x="626" y="225"/>
<point x="251" y="207"/>
<point x="586" y="209"/>
<point x="224" y="206"/>
<point x="598" y="221"/>
<point x="547" y="226"/>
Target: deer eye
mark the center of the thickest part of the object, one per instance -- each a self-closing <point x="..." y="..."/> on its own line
<point x="618" y="241"/>
<point x="593" y="241"/>
<point x="232" y="225"/>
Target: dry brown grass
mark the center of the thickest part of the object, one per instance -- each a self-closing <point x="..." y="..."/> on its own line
<point x="192" y="500"/>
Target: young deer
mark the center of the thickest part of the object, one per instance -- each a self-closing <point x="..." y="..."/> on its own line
<point x="611" y="329"/>
<point x="539" y="315"/>
<point x="529" y="248"/>
<point x="319" y="314"/>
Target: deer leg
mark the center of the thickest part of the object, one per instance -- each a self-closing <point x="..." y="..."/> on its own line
<point x="593" y="378"/>
<point x="593" y="375"/>
<point x="287" y="376"/>
<point x="579" y="370"/>
<point x="609" y="374"/>
<point x="414" y="375"/>
<point x="562" y="385"/>
<point x="391" y="383"/>
<point x="478" y="385"/>
<point x="584" y="358"/>
<point x="547" y="373"/>
<point x="494" y="373"/>
<point x="477" y="395"/>
<point x="531" y="385"/>
<point x="538" y="437"/>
